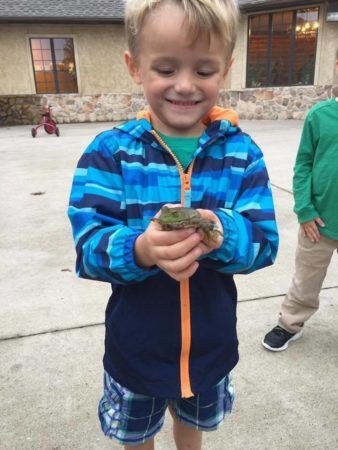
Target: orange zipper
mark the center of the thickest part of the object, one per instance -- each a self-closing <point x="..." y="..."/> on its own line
<point x="186" y="391"/>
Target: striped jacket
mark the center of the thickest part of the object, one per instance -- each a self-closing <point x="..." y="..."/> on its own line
<point x="156" y="343"/>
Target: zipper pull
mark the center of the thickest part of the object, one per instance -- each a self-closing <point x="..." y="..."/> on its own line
<point x="186" y="182"/>
<point x="186" y="190"/>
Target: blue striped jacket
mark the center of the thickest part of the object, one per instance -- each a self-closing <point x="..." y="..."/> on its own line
<point x="121" y="181"/>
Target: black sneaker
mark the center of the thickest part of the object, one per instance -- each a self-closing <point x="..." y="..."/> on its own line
<point x="278" y="339"/>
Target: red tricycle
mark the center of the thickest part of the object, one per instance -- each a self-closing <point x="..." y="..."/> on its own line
<point x="47" y="123"/>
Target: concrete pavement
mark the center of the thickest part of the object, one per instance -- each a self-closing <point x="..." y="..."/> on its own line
<point x="51" y="332"/>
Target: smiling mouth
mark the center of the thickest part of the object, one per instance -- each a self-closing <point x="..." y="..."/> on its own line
<point x="184" y="102"/>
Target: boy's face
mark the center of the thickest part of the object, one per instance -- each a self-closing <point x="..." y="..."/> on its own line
<point x="181" y="81"/>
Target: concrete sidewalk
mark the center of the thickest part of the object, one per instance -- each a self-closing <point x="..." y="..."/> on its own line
<point x="51" y="332"/>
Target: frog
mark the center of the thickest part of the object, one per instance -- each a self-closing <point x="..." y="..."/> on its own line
<point x="177" y="217"/>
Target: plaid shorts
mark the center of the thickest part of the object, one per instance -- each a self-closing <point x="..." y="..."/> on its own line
<point x="132" y="419"/>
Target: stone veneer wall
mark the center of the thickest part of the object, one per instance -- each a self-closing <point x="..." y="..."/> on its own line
<point x="256" y="103"/>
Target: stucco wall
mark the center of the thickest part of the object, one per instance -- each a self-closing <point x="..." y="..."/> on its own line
<point x="326" y="51"/>
<point x="99" y="57"/>
<point x="98" y="52"/>
<point x="14" y="62"/>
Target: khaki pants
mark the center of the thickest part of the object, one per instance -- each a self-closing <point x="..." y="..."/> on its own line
<point x="302" y="299"/>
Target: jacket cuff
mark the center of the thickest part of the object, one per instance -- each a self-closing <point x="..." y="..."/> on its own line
<point x="307" y="214"/>
<point x="226" y="251"/>
<point x="130" y="270"/>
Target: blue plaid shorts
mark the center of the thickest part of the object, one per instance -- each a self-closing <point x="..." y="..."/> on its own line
<point x="132" y="419"/>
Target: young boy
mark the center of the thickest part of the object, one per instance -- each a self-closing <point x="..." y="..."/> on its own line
<point x="171" y="320"/>
<point x="315" y="190"/>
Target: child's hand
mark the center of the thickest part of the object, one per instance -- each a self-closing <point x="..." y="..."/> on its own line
<point x="209" y="244"/>
<point x="174" y="251"/>
<point x="310" y="229"/>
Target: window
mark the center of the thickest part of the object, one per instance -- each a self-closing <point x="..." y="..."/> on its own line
<point x="54" y="65"/>
<point x="282" y="48"/>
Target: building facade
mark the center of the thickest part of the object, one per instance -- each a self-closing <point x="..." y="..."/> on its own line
<point x="285" y="59"/>
<point x="71" y="57"/>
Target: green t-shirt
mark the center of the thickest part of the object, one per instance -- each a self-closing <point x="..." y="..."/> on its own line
<point x="182" y="147"/>
<point x="315" y="181"/>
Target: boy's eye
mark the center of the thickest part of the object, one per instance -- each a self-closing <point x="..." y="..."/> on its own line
<point x="164" y="71"/>
<point x="205" y="73"/>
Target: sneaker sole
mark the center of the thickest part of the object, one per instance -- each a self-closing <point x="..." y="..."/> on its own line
<point x="285" y="346"/>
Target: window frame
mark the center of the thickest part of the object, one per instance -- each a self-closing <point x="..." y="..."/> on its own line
<point x="51" y="38"/>
<point x="292" y="51"/>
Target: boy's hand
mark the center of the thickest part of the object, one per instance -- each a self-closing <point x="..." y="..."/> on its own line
<point x="174" y="251"/>
<point x="310" y="229"/>
<point x="209" y="244"/>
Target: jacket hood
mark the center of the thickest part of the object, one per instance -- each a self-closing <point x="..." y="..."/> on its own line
<point x="218" y="120"/>
<point x="216" y="113"/>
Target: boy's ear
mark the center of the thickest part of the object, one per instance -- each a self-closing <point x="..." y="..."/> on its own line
<point x="132" y="67"/>
<point x="228" y="67"/>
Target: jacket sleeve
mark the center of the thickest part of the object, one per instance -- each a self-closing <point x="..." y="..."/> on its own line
<point x="302" y="178"/>
<point x="104" y="244"/>
<point x="250" y="231"/>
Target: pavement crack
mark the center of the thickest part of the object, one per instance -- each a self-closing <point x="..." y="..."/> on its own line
<point x="51" y="331"/>
<point x="97" y="324"/>
<point x="281" y="188"/>
<point x="264" y="297"/>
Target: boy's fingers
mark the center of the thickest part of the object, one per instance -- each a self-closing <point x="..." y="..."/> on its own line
<point x="204" y="248"/>
<point x="171" y="237"/>
<point x="183" y="275"/>
<point x="206" y="213"/>
<point x="173" y="249"/>
<point x="311" y="231"/>
<point x="315" y="232"/>
<point x="312" y="237"/>
<point x="181" y="263"/>
<point x="320" y="222"/>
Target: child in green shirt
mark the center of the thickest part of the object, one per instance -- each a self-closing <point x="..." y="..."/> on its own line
<point x="315" y="186"/>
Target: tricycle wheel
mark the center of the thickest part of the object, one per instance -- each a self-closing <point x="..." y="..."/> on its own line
<point x="57" y="131"/>
<point x="33" y="131"/>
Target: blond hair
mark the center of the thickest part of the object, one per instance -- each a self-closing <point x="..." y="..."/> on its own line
<point x="219" y="17"/>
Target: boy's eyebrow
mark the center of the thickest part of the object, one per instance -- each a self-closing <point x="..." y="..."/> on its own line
<point x="160" y="59"/>
<point x="172" y="59"/>
<point x="208" y="61"/>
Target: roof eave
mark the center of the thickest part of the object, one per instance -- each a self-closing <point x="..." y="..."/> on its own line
<point x="88" y="20"/>
<point x="276" y="5"/>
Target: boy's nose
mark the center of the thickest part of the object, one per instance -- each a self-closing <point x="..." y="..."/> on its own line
<point x="185" y="84"/>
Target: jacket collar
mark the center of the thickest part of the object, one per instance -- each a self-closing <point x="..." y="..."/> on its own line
<point x="218" y="121"/>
